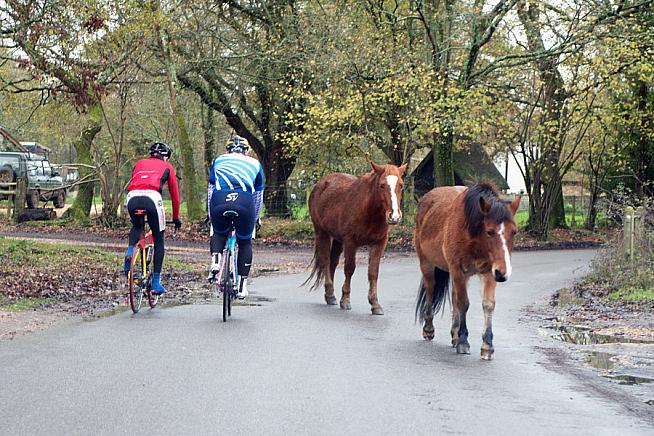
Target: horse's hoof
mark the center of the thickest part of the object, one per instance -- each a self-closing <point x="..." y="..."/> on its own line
<point x="462" y="348"/>
<point x="428" y="334"/>
<point x="377" y="310"/>
<point x="346" y="305"/>
<point x="487" y="354"/>
<point x="331" y="300"/>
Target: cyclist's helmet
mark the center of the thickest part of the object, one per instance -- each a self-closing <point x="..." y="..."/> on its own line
<point x="161" y="149"/>
<point x="237" y="144"/>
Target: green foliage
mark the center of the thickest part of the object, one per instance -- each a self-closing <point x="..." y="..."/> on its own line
<point x="635" y="295"/>
<point x="618" y="277"/>
<point x="23" y="304"/>
<point x="279" y="230"/>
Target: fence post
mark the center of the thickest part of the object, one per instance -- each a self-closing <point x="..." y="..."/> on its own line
<point x="20" y="196"/>
<point x="628" y="236"/>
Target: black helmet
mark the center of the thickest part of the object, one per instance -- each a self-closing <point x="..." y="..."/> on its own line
<point x="161" y="149"/>
<point x="237" y="144"/>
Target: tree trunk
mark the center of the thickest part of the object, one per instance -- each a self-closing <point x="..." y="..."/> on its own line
<point x="208" y="126"/>
<point x="591" y="219"/>
<point x="644" y="154"/>
<point x="191" y="188"/>
<point x="277" y="169"/>
<point x="81" y="208"/>
<point x="442" y="152"/>
<point x="551" y="213"/>
<point x="557" y="216"/>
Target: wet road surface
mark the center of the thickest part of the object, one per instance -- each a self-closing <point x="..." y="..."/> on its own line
<point x="289" y="364"/>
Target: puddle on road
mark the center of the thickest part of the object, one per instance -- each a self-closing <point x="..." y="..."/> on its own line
<point x="582" y="335"/>
<point x="253" y="300"/>
<point x="607" y="362"/>
<point x="628" y="379"/>
<point x="610" y="365"/>
<point x="600" y="360"/>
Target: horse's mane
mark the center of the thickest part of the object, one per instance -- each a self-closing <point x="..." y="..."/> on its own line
<point x="474" y="217"/>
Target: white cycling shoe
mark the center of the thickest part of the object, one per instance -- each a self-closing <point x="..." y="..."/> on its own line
<point x="242" y="288"/>
<point x="214" y="269"/>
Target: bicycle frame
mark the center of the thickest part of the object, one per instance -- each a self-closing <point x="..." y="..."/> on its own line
<point x="146" y="245"/>
<point x="231" y="248"/>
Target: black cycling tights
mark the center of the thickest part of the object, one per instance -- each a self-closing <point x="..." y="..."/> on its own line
<point x="138" y="227"/>
<point x="244" y="252"/>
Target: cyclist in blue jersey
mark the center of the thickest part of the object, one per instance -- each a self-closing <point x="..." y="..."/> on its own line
<point x="235" y="183"/>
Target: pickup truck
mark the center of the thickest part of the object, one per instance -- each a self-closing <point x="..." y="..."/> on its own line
<point x="43" y="182"/>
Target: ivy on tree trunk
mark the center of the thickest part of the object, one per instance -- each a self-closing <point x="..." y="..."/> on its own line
<point x="81" y="208"/>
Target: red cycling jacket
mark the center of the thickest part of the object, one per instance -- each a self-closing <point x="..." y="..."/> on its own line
<point x="151" y="174"/>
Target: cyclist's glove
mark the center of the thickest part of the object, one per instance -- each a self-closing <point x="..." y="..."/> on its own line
<point x="178" y="223"/>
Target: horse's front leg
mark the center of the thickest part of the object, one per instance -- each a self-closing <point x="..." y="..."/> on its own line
<point x="488" y="303"/>
<point x="375" y="253"/>
<point x="460" y="304"/>
<point x="349" y="251"/>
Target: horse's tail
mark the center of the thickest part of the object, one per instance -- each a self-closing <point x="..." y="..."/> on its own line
<point x="317" y="273"/>
<point x="439" y="294"/>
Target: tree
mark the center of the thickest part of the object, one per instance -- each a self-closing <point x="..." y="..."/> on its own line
<point x="234" y="57"/>
<point x="51" y="40"/>
<point x="192" y="191"/>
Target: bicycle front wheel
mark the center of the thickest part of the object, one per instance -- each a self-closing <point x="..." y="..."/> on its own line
<point x="136" y="279"/>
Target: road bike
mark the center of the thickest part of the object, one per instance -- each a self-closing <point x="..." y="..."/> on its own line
<point x="139" y="276"/>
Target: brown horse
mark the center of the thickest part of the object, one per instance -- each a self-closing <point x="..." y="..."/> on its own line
<point x="461" y="232"/>
<point x="349" y="212"/>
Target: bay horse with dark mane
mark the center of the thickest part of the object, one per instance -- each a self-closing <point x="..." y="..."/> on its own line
<point x="461" y="232"/>
<point x="349" y="212"/>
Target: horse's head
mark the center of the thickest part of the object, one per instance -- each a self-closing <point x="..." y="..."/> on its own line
<point x="389" y="180"/>
<point x="491" y="224"/>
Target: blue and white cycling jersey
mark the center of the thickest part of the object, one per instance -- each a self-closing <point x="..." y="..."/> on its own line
<point x="235" y="171"/>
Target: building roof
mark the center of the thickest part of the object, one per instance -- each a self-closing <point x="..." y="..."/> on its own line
<point x="471" y="165"/>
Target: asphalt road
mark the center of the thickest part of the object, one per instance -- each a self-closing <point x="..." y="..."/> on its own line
<point x="293" y="365"/>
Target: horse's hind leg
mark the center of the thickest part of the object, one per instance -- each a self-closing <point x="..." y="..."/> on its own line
<point x="335" y="254"/>
<point x="350" y="251"/>
<point x="460" y="304"/>
<point x="323" y="249"/>
<point x="375" y="254"/>
<point x="428" y="283"/>
<point x="488" y="303"/>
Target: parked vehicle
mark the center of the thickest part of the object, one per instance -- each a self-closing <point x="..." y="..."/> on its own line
<point x="43" y="182"/>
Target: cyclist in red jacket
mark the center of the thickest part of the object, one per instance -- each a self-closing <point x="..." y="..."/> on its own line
<point x="144" y="192"/>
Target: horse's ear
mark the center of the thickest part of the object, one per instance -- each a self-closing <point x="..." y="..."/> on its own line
<point x="515" y="204"/>
<point x="484" y="205"/>
<point x="379" y="169"/>
<point x="402" y="169"/>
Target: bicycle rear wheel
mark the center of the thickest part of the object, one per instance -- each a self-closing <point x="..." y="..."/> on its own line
<point x="227" y="286"/>
<point x="153" y="299"/>
<point x="136" y="279"/>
